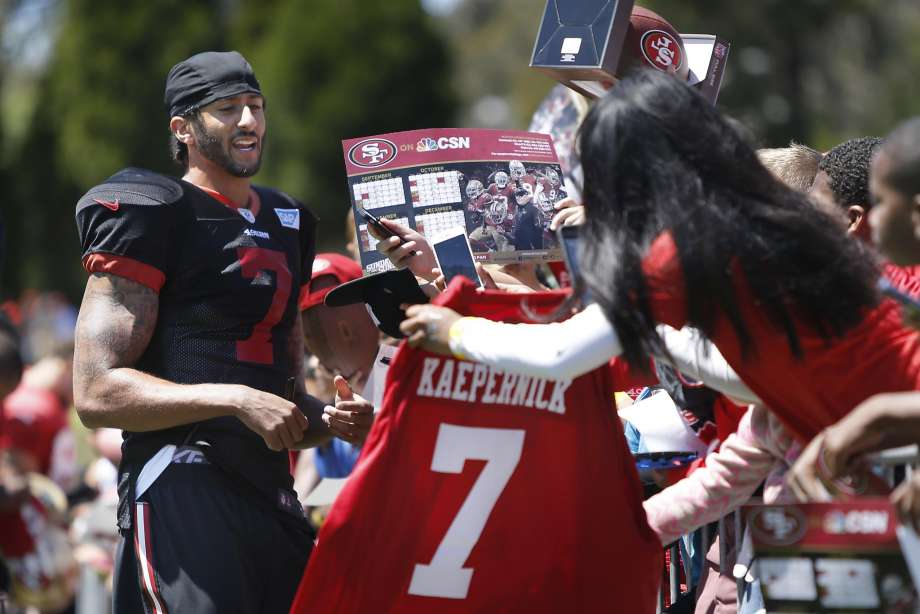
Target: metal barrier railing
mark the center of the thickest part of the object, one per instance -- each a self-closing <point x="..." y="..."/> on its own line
<point x="894" y="465"/>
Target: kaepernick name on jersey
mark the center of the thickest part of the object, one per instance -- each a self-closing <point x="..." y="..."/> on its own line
<point x="444" y="378"/>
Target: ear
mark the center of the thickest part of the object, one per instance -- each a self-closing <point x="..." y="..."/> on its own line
<point x="182" y="129"/>
<point x="858" y="222"/>
<point x="346" y="332"/>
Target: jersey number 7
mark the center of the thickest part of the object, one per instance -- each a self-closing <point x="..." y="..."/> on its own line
<point x="253" y="260"/>
<point x="445" y="576"/>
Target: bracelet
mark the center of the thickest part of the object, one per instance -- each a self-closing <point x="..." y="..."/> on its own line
<point x="455" y="336"/>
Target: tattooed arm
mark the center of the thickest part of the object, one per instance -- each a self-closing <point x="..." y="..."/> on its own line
<point x="116" y="322"/>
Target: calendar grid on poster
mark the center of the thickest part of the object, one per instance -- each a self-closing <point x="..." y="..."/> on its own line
<point x="435" y="223"/>
<point x="368" y="241"/>
<point x="438" y="188"/>
<point x="380" y="193"/>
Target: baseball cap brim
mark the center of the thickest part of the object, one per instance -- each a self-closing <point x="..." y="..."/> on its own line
<point x="383" y="293"/>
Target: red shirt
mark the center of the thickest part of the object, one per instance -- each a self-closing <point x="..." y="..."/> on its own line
<point x="32" y="419"/>
<point x="904" y="278"/>
<point x="808" y="394"/>
<point x="469" y="497"/>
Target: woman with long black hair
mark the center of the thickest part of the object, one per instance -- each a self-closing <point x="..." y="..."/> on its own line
<point x="686" y="227"/>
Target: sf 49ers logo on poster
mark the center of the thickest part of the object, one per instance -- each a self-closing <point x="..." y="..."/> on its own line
<point x="661" y="50"/>
<point x="778" y="526"/>
<point x="371" y="153"/>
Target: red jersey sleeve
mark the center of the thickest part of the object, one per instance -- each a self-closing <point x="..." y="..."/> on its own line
<point x="665" y="281"/>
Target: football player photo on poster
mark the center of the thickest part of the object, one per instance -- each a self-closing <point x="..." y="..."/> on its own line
<point x="500" y="186"/>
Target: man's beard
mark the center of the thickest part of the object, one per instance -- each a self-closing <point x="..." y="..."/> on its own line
<point x="212" y="148"/>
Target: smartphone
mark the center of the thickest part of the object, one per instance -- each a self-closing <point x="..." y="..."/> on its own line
<point x="907" y="301"/>
<point x="569" y="238"/>
<point x="454" y="256"/>
<point x="375" y="222"/>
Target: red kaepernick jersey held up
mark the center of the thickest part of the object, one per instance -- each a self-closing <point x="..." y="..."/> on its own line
<point x="480" y="490"/>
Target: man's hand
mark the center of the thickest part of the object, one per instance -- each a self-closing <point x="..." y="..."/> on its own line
<point x="880" y="422"/>
<point x="407" y="249"/>
<point x="278" y="421"/>
<point x="568" y="213"/>
<point x="428" y="327"/>
<point x="805" y="479"/>
<point x="811" y="478"/>
<point x="352" y="417"/>
<point x="863" y="430"/>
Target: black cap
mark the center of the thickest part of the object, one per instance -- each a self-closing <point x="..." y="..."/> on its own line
<point x="384" y="293"/>
<point x="206" y="77"/>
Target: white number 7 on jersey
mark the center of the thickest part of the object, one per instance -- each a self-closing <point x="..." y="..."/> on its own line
<point x="445" y="576"/>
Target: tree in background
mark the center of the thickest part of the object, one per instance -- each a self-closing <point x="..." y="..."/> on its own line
<point x="330" y="70"/>
<point x="817" y="71"/>
<point x="492" y="43"/>
<point x="98" y="108"/>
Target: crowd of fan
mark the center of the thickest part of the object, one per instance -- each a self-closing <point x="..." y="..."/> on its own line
<point x="774" y="339"/>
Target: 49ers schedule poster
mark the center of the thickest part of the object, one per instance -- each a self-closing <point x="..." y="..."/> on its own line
<point x="843" y="556"/>
<point x="499" y="185"/>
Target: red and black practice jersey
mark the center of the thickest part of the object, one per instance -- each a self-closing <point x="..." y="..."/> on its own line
<point x="228" y="282"/>
<point x="483" y="491"/>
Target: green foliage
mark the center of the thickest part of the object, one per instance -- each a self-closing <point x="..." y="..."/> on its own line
<point x="106" y="80"/>
<point x="492" y="43"/>
<point x="99" y="107"/>
<point x="814" y="71"/>
<point x="330" y="70"/>
<point x="338" y="69"/>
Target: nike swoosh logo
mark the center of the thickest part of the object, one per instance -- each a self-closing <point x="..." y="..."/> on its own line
<point x="108" y="204"/>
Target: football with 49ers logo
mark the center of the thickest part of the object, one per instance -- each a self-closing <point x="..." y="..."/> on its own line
<point x="652" y="41"/>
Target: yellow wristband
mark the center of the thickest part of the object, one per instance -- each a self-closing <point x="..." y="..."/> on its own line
<point x="455" y="336"/>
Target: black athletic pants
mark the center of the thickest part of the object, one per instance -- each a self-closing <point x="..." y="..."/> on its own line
<point x="204" y="545"/>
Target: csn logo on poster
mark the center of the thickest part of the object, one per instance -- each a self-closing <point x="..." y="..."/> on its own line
<point x="453" y="142"/>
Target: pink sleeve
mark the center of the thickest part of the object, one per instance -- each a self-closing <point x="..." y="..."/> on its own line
<point x="727" y="480"/>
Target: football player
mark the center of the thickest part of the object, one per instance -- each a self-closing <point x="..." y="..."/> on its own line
<point x="478" y="201"/>
<point x="189" y="340"/>
<point x="552" y="185"/>
<point x="496" y="223"/>
<point x="516" y="170"/>
<point x="501" y="188"/>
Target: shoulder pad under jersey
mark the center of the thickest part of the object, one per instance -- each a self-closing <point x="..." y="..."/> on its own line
<point x="134" y="186"/>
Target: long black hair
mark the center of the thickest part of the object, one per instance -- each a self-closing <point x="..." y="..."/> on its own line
<point x="658" y="157"/>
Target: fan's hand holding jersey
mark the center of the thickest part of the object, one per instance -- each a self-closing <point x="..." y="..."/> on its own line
<point x="228" y="283"/>
<point x="481" y="491"/>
